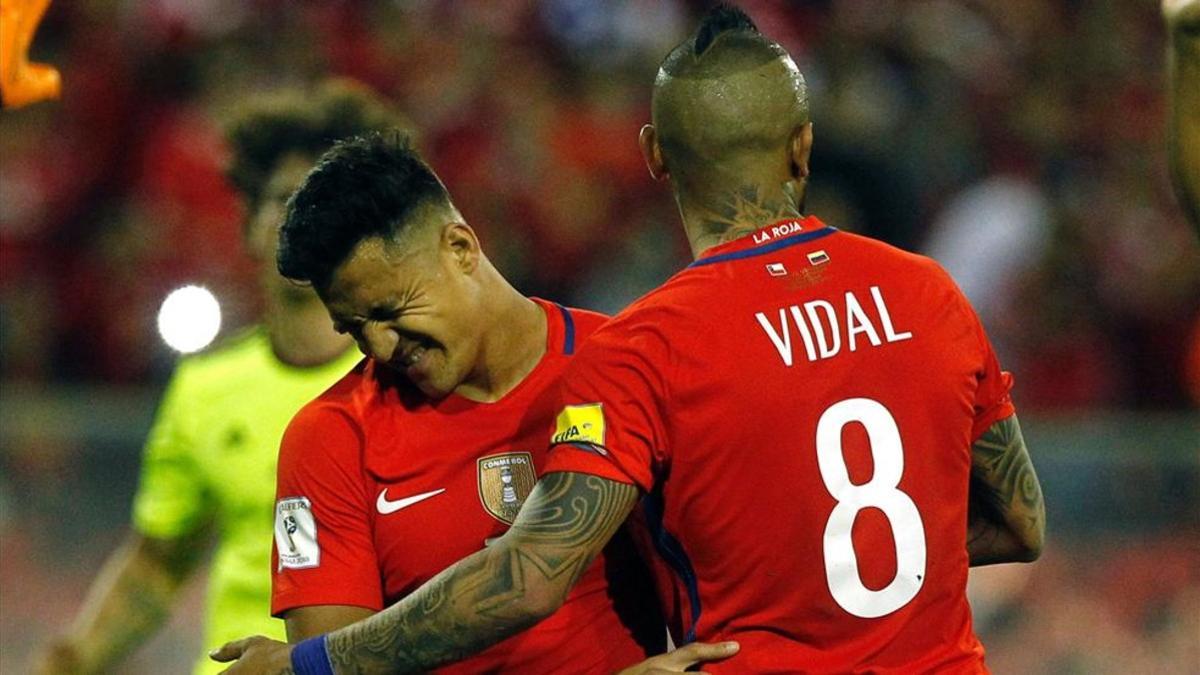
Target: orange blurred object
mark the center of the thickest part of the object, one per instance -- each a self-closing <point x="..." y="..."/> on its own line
<point x="22" y="82"/>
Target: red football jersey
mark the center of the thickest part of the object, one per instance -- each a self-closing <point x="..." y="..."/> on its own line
<point x="379" y="489"/>
<point x="799" y="406"/>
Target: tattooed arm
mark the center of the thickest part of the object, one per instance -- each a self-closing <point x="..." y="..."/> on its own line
<point x="497" y="592"/>
<point x="1007" y="520"/>
<point x="126" y="604"/>
<point x="1183" y="56"/>
<point x="484" y="598"/>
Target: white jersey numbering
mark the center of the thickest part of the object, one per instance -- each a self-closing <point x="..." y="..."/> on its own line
<point x="824" y="327"/>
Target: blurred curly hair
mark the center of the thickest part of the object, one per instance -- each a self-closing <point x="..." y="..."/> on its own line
<point x="268" y="128"/>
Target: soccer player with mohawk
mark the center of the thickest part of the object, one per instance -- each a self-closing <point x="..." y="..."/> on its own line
<point x="814" y="423"/>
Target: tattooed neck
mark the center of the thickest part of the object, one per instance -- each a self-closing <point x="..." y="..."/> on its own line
<point x="727" y="216"/>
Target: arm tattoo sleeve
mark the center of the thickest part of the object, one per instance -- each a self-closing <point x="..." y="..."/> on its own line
<point x="1007" y="514"/>
<point x="497" y="592"/>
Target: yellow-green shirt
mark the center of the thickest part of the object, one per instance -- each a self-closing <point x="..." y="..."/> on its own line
<point x="210" y="458"/>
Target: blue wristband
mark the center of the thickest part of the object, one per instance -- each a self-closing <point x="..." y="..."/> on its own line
<point x="311" y="658"/>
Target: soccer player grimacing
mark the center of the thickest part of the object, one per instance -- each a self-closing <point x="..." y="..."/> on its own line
<point x="425" y="452"/>
<point x="815" y="421"/>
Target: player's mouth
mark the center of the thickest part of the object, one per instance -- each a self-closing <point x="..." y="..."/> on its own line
<point x="414" y="356"/>
<point x="415" y="361"/>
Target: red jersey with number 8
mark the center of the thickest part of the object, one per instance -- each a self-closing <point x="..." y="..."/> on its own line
<point x="798" y="406"/>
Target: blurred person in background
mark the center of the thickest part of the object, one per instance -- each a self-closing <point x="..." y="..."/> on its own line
<point x="209" y="463"/>
<point x="1183" y="29"/>
<point x="680" y="404"/>
<point x="1183" y="58"/>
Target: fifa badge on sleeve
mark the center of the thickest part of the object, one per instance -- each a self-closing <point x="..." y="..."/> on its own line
<point x="580" y="424"/>
<point x="296" y="534"/>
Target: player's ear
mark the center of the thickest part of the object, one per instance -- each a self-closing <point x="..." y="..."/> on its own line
<point x="459" y="242"/>
<point x="256" y="240"/>
<point x="652" y="153"/>
<point x="800" y="148"/>
<point x="260" y="234"/>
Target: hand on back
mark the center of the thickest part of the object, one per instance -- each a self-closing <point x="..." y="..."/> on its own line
<point x="683" y="658"/>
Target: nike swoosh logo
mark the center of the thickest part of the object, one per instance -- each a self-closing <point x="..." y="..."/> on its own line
<point x="385" y="507"/>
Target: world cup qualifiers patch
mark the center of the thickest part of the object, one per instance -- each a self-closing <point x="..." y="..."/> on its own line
<point x="296" y="534"/>
<point x="580" y="424"/>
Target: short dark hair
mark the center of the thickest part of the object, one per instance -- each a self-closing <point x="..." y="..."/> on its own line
<point x="268" y="128"/>
<point x="366" y="186"/>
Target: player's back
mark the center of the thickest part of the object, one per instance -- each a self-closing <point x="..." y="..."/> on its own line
<point x="820" y="393"/>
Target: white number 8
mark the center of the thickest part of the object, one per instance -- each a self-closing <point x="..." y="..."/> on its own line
<point x="841" y="565"/>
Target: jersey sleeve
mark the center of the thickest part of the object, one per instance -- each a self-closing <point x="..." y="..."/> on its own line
<point x="610" y="419"/>
<point x="324" y="553"/>
<point x="173" y="499"/>
<point x="993" y="393"/>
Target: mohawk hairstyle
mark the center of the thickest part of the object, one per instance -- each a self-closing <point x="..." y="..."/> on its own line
<point x="725" y="94"/>
<point x="366" y="186"/>
<point x="720" y="19"/>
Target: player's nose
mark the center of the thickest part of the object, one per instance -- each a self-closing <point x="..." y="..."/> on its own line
<point x="379" y="342"/>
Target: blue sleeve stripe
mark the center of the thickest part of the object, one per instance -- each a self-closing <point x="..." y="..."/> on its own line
<point x="672" y="551"/>
<point x="568" y="330"/>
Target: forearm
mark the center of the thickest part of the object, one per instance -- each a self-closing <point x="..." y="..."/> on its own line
<point x="1007" y="514"/>
<point x="477" y="602"/>
<point x="306" y="622"/>
<point x="497" y="592"/>
<point x="1183" y="55"/>
<point x="990" y="540"/>
<point x="125" y="605"/>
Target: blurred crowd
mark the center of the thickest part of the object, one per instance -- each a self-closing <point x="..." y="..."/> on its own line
<point x="1020" y="143"/>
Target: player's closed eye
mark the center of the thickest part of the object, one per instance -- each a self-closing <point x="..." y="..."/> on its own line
<point x="384" y="314"/>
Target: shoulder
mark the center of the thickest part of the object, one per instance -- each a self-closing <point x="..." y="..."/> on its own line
<point x="585" y="321"/>
<point x="320" y="443"/>
<point x="883" y="254"/>
<point x="347" y="398"/>
<point x="659" y="308"/>
<point x="642" y="331"/>
<point x="225" y="365"/>
<point x="927" y="285"/>
<point x="923" y="279"/>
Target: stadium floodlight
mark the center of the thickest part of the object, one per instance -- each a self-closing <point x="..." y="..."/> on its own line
<point x="189" y="319"/>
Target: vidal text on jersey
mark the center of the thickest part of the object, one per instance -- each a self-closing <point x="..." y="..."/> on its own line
<point x="821" y="325"/>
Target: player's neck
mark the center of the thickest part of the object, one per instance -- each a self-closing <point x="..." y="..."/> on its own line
<point x="301" y="333"/>
<point x="514" y="341"/>
<point x="712" y="217"/>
